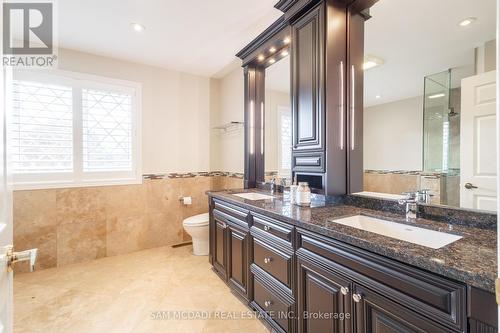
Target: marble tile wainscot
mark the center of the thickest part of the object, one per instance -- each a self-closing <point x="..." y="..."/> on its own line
<point x="71" y="225"/>
<point x="437" y="290"/>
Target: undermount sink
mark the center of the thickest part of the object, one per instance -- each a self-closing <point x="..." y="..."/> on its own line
<point x="404" y="232"/>
<point x="254" y="196"/>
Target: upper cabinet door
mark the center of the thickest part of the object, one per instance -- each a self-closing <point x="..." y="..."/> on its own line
<point x="308" y="80"/>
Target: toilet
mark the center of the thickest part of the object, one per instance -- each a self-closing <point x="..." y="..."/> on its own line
<point x="197" y="227"/>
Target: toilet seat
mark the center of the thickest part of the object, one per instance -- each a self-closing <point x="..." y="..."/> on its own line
<point x="200" y="220"/>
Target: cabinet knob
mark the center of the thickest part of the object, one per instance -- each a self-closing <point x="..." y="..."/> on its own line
<point x="267" y="228"/>
<point x="267" y="260"/>
<point x="268" y="303"/>
<point x="357" y="298"/>
<point x="344" y="290"/>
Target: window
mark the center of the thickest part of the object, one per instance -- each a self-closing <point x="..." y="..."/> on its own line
<point x="70" y="129"/>
<point x="285" y="141"/>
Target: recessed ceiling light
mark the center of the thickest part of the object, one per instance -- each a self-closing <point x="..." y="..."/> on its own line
<point x="284" y="53"/>
<point x="272" y="49"/>
<point x="137" y="27"/>
<point x="261" y="57"/>
<point x="467" y="21"/>
<point x="378" y="97"/>
<point x="286" y="40"/>
<point x="372" y="61"/>
<point x="272" y="61"/>
<point x="436" y="96"/>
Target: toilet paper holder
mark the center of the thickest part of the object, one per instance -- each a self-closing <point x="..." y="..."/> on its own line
<point x="186" y="200"/>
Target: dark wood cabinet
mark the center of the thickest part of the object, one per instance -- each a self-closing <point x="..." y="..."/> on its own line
<point x="237" y="259"/>
<point x="229" y="238"/>
<point x="301" y="281"/>
<point x="308" y="81"/>
<point x="220" y="247"/>
<point x="328" y="289"/>
<point x="323" y="299"/>
<point x="320" y="83"/>
<point x="327" y="52"/>
<point x="377" y="314"/>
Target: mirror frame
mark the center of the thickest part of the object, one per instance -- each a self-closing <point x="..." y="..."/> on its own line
<point x="255" y="59"/>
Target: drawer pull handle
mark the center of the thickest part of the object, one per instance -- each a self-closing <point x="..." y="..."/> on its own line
<point x="267" y="260"/>
<point x="267" y="304"/>
<point x="267" y="228"/>
<point x="357" y="298"/>
<point x="344" y="290"/>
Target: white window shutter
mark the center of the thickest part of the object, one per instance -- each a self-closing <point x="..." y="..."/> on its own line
<point x="41" y="130"/>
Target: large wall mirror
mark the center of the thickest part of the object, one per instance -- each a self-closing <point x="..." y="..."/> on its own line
<point x="430" y="102"/>
<point x="278" y="120"/>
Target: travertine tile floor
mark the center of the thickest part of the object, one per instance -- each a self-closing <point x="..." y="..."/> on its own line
<point x="124" y="293"/>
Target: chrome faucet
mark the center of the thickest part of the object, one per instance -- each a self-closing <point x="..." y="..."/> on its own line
<point x="412" y="199"/>
<point x="424" y="196"/>
<point x="273" y="184"/>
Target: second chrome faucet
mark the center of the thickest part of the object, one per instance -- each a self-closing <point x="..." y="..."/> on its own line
<point x="412" y="199"/>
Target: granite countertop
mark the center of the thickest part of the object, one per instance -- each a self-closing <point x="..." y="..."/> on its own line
<point x="472" y="259"/>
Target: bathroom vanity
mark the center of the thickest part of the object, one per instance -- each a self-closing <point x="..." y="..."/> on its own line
<point x="353" y="263"/>
<point x="306" y="273"/>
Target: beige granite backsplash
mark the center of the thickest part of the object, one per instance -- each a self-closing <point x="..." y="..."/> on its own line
<point x="73" y="225"/>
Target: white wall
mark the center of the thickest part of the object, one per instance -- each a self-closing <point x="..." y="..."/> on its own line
<point x="393" y="135"/>
<point x="227" y="149"/>
<point x="175" y="110"/>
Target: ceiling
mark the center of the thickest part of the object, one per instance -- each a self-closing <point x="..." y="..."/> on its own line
<point x="195" y="36"/>
<point x="419" y="38"/>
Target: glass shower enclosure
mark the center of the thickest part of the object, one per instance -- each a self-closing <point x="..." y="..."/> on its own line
<point x="441" y="141"/>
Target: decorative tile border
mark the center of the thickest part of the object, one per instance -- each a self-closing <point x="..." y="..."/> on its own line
<point x="192" y="175"/>
<point x="451" y="172"/>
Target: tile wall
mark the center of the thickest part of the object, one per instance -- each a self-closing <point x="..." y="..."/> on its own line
<point x="79" y="224"/>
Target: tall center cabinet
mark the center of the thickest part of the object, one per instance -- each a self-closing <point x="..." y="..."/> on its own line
<point x="327" y="93"/>
<point x="327" y="40"/>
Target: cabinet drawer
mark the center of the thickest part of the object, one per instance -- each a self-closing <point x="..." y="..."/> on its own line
<point x="273" y="261"/>
<point x="273" y="227"/>
<point x="435" y="297"/>
<point x="310" y="161"/>
<point x="223" y="217"/>
<point x="230" y="209"/>
<point x="277" y="310"/>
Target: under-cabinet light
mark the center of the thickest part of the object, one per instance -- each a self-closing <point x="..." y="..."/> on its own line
<point x="272" y="61"/>
<point x="272" y="49"/>
<point x="284" y="53"/>
<point x="286" y="40"/>
<point x="261" y="57"/>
